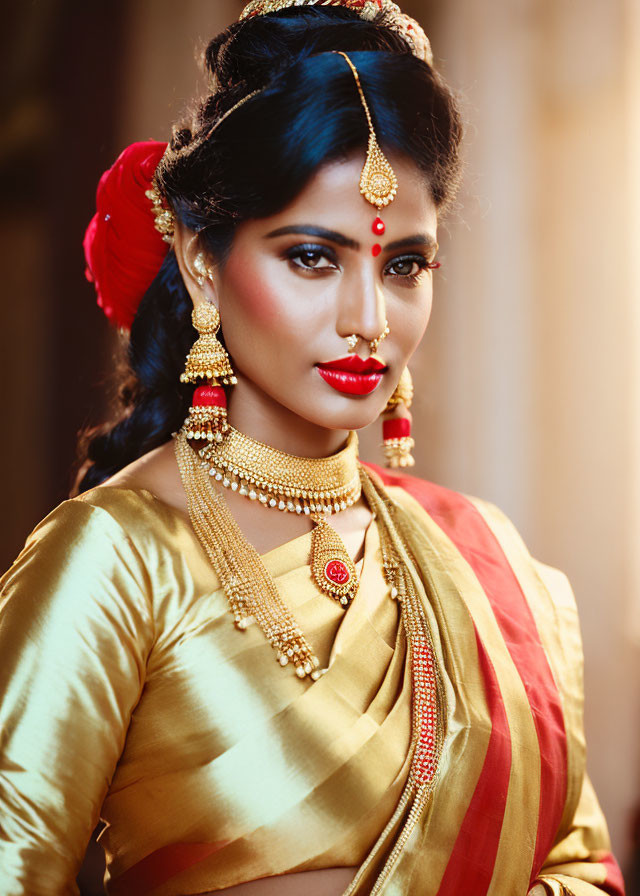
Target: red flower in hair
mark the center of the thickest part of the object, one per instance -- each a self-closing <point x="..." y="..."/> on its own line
<point x="123" y="249"/>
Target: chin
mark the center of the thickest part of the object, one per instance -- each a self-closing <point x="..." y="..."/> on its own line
<point x="348" y="414"/>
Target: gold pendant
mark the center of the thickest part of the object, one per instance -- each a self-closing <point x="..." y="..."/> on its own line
<point x="332" y="569"/>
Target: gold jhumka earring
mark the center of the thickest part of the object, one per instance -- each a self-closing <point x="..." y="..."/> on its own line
<point x="209" y="362"/>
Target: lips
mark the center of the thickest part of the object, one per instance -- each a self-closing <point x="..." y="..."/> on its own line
<point x="352" y="375"/>
<point x="354" y="364"/>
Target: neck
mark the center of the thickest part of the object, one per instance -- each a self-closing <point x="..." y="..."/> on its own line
<point x="259" y="416"/>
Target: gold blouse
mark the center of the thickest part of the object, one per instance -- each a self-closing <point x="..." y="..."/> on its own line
<point x="146" y="707"/>
<point x="127" y="694"/>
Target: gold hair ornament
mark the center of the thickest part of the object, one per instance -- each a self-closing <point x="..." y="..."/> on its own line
<point x="409" y="30"/>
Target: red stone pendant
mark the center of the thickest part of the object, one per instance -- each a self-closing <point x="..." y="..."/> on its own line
<point x="378" y="226"/>
<point x="332" y="569"/>
<point x="337" y="572"/>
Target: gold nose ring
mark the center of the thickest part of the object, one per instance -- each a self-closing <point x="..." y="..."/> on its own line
<point x="375" y="343"/>
<point x="352" y="341"/>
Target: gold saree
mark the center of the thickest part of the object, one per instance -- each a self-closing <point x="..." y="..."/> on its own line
<point x="127" y="694"/>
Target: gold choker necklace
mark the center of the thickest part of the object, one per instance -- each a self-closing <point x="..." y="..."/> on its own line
<point x="308" y="485"/>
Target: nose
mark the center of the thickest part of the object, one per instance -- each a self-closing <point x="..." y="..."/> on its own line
<point x="361" y="306"/>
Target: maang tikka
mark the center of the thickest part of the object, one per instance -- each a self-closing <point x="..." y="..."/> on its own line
<point x="207" y="363"/>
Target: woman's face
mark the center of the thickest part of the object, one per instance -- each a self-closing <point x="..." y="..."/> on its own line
<point x="297" y="284"/>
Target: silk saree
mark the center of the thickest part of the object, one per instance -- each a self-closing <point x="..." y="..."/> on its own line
<point x="127" y="695"/>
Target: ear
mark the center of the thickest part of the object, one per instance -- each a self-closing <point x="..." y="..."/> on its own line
<point x="197" y="273"/>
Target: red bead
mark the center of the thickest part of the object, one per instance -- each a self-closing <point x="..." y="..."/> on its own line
<point x="377" y="249"/>
<point x="378" y="227"/>
<point x="400" y="428"/>
<point x="336" y="571"/>
<point x="209" y="397"/>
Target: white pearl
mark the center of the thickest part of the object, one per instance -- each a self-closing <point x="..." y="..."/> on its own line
<point x="291" y="506"/>
<point x="300" y="672"/>
<point x="283" y="660"/>
<point x="272" y="502"/>
<point x="226" y="482"/>
<point x="307" y="511"/>
<point x="394" y="592"/>
<point x="298" y="508"/>
<point x="282" y="506"/>
<point x="234" y="486"/>
<point x="244" y="490"/>
<point x="219" y="476"/>
<point x="263" y="499"/>
<point x="252" y="495"/>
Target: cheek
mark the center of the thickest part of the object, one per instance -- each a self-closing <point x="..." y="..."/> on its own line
<point x="410" y="321"/>
<point x="249" y="297"/>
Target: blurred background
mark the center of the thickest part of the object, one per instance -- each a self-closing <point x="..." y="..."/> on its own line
<point x="528" y="382"/>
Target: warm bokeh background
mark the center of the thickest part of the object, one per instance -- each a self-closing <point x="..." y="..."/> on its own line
<point x="529" y="378"/>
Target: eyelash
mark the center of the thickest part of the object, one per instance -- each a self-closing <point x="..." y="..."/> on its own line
<point x="299" y="251"/>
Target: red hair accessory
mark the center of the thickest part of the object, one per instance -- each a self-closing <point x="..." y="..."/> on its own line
<point x="123" y="249"/>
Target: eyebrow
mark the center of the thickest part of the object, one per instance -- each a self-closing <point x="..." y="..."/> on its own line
<point x="425" y="240"/>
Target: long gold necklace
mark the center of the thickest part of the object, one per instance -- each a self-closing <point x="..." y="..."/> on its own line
<point x="315" y="487"/>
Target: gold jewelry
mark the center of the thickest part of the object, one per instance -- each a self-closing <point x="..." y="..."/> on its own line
<point x="397" y="443"/>
<point x="403" y="393"/>
<point x="408" y="29"/>
<point x="352" y="341"/>
<point x="332" y="569"/>
<point x="378" y="182"/>
<point x="316" y="487"/>
<point x="303" y="485"/>
<point x="202" y="268"/>
<point x="374" y="345"/>
<point x="207" y="359"/>
<point x="250" y="589"/>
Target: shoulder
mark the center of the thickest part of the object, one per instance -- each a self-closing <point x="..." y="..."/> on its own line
<point x="485" y="537"/>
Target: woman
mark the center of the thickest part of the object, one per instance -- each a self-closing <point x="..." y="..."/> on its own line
<point x="364" y="685"/>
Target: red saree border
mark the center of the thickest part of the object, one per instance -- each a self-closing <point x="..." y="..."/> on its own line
<point x="464" y="525"/>
<point x="472" y="860"/>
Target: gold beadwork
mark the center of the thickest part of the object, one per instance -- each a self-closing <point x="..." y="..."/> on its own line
<point x="302" y="485"/>
<point x="352" y="341"/>
<point x="393" y="17"/>
<point x="403" y="393"/>
<point x="378" y="182"/>
<point x="207" y="359"/>
<point x="332" y="569"/>
<point x="374" y="345"/>
<point x="397" y="452"/>
<point x="250" y="589"/>
<point x="164" y="218"/>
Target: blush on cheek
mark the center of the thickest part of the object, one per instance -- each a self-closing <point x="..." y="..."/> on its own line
<point x="254" y="297"/>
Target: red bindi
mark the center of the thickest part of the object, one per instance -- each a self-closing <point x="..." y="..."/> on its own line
<point x="376" y="250"/>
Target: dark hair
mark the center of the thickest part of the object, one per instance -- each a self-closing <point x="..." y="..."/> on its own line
<point x="306" y="112"/>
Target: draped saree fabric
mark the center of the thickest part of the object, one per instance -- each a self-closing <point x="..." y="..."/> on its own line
<point x="127" y="694"/>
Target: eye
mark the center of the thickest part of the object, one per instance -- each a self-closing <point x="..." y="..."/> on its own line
<point x="312" y="257"/>
<point x="408" y="266"/>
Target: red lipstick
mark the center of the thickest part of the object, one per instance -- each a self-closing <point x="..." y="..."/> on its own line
<point x="352" y="375"/>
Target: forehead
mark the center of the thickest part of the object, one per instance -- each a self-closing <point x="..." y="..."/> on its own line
<point x="332" y="196"/>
